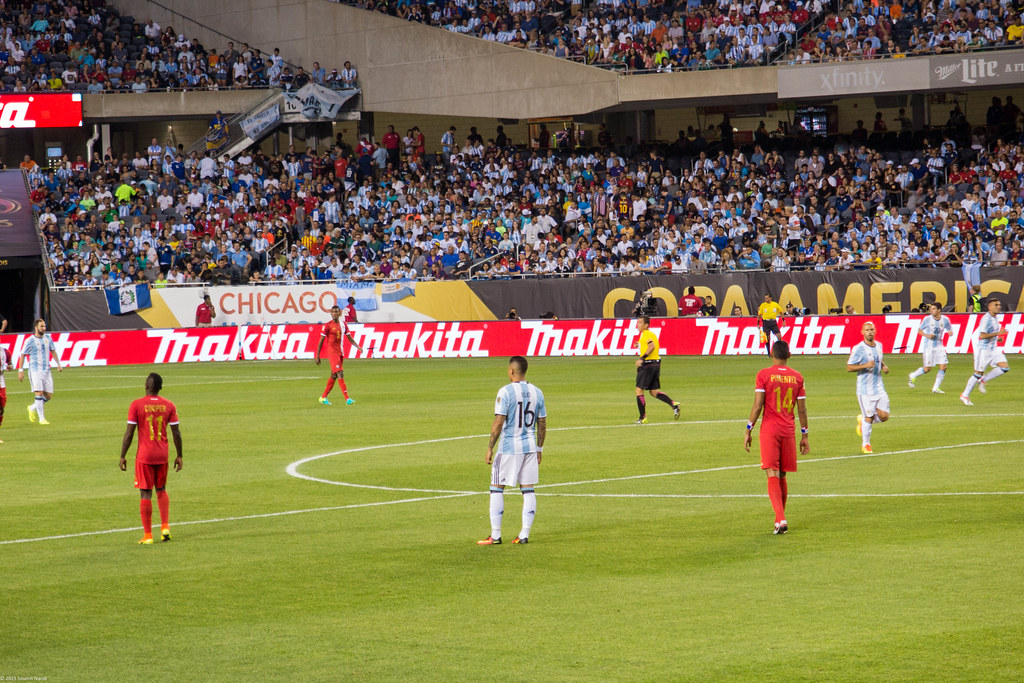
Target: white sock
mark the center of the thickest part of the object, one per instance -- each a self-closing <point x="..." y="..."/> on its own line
<point x="971" y="383"/>
<point x="917" y="373"/>
<point x="40" y="401"/>
<point x="939" y="376"/>
<point x="865" y="430"/>
<point x="993" y="373"/>
<point x="529" y="511"/>
<point x="497" y="510"/>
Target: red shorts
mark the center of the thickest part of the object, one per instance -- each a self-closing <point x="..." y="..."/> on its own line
<point x="778" y="451"/>
<point x="336" y="362"/>
<point x="150" y="476"/>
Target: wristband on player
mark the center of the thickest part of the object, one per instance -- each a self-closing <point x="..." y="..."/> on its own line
<point x="803" y="430"/>
<point x="750" y="425"/>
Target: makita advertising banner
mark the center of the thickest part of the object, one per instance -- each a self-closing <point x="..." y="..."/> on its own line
<point x="34" y="110"/>
<point x="810" y="335"/>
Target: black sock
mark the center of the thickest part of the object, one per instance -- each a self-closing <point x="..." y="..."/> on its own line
<point x="641" y="406"/>
<point x="663" y="397"/>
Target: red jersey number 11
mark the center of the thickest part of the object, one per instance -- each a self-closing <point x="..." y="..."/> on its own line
<point x="156" y="428"/>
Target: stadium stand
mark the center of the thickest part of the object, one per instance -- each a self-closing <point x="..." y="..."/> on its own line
<point x="496" y="211"/>
<point x="640" y="36"/>
<point x="632" y="36"/>
<point x="87" y="47"/>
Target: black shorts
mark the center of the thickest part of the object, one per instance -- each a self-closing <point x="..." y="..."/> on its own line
<point x="771" y="326"/>
<point x="648" y="376"/>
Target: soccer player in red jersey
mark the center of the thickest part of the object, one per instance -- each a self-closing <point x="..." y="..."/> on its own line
<point x="778" y="390"/>
<point x="152" y="414"/>
<point x="332" y="333"/>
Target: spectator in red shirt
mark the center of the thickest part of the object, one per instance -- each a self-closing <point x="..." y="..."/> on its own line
<point x="690" y="303"/>
<point x="392" y="143"/>
<point x="205" y="313"/>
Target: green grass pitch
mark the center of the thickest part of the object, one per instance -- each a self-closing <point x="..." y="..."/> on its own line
<point x="889" y="571"/>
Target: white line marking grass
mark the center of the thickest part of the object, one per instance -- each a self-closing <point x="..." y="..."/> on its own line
<point x="292" y="470"/>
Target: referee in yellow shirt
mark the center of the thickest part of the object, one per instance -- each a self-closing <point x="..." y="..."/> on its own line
<point x="769" y="313"/>
<point x="648" y="370"/>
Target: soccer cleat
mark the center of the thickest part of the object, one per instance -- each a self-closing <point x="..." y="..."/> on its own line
<point x="675" y="410"/>
<point x="521" y="541"/>
<point x="781" y="528"/>
<point x="32" y="413"/>
<point x="324" y="401"/>
<point x="860" y="420"/>
<point x="642" y="420"/>
<point x="349" y="401"/>
<point x="165" y="535"/>
<point x="981" y="386"/>
<point x="965" y="400"/>
<point x="866" y="449"/>
<point x="938" y="391"/>
<point x="910" y="381"/>
<point x="44" y="422"/>
<point x="489" y="541"/>
<point x="146" y="540"/>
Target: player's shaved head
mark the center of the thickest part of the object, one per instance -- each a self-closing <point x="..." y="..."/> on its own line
<point x="154" y="383"/>
<point x="780" y="350"/>
<point x="518" y="365"/>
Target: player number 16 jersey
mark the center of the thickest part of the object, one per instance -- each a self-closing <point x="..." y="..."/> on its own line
<point x="522" y="404"/>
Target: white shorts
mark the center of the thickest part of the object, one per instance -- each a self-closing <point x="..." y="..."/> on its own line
<point x="41" y="380"/>
<point x="870" y="404"/>
<point x="511" y="469"/>
<point x="984" y="358"/>
<point x="933" y="357"/>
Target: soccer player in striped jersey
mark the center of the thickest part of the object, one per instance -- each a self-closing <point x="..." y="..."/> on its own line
<point x="519" y="428"/>
<point x="778" y="390"/>
<point x="37" y="351"/>
<point x="866" y="361"/>
<point x="933" y="329"/>
<point x="987" y="352"/>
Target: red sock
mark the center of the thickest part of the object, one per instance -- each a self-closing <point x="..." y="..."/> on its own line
<point x="775" y="494"/>
<point x="165" y="509"/>
<point x="785" y="491"/>
<point x="344" y="389"/>
<point x="330" y="385"/>
<point x="146" y="512"/>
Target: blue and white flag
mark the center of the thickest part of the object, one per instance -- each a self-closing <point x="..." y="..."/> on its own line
<point x="396" y="290"/>
<point x="127" y="299"/>
<point x="362" y="292"/>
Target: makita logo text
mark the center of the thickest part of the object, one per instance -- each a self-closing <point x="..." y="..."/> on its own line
<point x="424" y="340"/>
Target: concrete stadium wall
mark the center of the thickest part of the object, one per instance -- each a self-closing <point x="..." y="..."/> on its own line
<point x="410" y="68"/>
<point x="112" y="107"/>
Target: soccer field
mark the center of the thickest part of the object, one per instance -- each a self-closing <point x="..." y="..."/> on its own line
<point x="651" y="558"/>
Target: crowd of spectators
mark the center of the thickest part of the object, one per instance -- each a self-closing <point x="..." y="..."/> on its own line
<point x="85" y="46"/>
<point x="491" y="210"/>
<point x="634" y="35"/>
<point x="871" y="30"/>
<point x="668" y="35"/>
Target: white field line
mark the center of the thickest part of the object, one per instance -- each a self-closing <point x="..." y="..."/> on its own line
<point x="236" y="519"/>
<point x="292" y="469"/>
